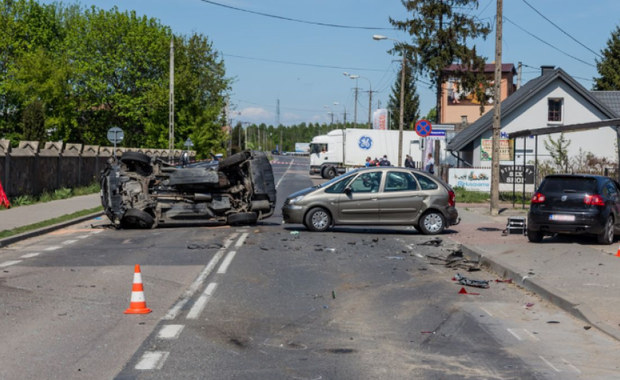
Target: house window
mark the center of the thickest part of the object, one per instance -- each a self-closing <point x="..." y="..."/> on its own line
<point x="555" y="110"/>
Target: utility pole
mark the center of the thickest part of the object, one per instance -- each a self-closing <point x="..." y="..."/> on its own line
<point x="370" y="107"/>
<point x="355" y="114"/>
<point x="496" y="111"/>
<point x="401" y="117"/>
<point x="519" y="69"/>
<point x="171" y="105"/>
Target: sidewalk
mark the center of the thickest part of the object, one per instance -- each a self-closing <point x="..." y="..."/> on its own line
<point x="26" y="215"/>
<point x="576" y="274"/>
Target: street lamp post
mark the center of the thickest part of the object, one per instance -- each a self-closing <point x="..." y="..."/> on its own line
<point x="345" y="113"/>
<point x="355" y="76"/>
<point x="401" y="117"/>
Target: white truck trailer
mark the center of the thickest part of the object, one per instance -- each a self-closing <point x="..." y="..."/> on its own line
<point x="341" y="149"/>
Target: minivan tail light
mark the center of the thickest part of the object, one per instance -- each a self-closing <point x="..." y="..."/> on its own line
<point x="538" y="198"/>
<point x="594" y="200"/>
<point x="451" y="198"/>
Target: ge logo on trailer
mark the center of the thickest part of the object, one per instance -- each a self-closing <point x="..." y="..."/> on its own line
<point x="365" y="142"/>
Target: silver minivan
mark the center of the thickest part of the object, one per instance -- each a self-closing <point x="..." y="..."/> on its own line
<point x="380" y="196"/>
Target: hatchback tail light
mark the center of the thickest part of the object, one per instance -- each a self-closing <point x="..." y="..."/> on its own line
<point x="594" y="200"/>
<point x="538" y="198"/>
<point x="451" y="198"/>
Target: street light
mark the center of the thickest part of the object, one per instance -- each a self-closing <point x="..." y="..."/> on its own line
<point x="378" y="37"/>
<point x="331" y="113"/>
<point x="345" y="113"/>
<point x="355" y="76"/>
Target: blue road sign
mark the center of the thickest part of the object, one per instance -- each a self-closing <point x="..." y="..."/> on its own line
<point x="423" y="128"/>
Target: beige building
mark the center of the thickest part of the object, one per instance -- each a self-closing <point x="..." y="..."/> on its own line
<point x="457" y="103"/>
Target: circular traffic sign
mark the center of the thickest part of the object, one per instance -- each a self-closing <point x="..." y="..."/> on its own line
<point x="115" y="135"/>
<point x="423" y="128"/>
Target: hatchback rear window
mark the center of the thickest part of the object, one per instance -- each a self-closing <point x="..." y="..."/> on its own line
<point x="568" y="185"/>
<point x="425" y="182"/>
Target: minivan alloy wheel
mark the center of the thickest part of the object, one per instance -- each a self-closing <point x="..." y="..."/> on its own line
<point x="432" y="223"/>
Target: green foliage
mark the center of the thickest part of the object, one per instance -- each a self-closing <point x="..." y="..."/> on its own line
<point x="22" y="200"/>
<point x="558" y="149"/>
<point x="442" y="31"/>
<point x="34" y="121"/>
<point x="411" y="111"/>
<point x="609" y="65"/>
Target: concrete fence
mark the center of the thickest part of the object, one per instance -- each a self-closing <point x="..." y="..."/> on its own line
<point x="31" y="169"/>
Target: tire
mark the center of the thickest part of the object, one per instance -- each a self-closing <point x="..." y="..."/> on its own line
<point x="330" y="172"/>
<point x="318" y="219"/>
<point x="534" y="236"/>
<point x="607" y="236"/>
<point x="235" y="159"/>
<point x="135" y="157"/>
<point x="242" y="219"/>
<point x="137" y="219"/>
<point x="432" y="223"/>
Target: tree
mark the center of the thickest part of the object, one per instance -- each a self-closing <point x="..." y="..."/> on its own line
<point x="34" y="121"/>
<point x="441" y="32"/>
<point x="411" y="109"/>
<point x="558" y="149"/>
<point x="609" y="66"/>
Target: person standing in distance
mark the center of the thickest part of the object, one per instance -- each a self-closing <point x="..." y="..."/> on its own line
<point x="429" y="165"/>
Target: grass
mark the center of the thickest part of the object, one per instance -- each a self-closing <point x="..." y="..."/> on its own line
<point x="50" y="222"/>
<point x="466" y="196"/>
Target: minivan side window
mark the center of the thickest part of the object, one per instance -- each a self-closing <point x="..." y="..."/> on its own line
<point x="400" y="181"/>
<point x="425" y="182"/>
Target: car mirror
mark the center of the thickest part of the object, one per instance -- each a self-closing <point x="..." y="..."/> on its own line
<point x="347" y="190"/>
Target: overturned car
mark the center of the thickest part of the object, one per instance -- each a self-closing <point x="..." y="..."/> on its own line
<point x="138" y="191"/>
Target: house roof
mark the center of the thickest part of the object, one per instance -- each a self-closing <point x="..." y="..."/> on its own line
<point x="488" y="68"/>
<point x="518" y="98"/>
<point x="610" y="98"/>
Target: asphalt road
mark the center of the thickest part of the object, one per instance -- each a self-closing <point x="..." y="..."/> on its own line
<point x="274" y="301"/>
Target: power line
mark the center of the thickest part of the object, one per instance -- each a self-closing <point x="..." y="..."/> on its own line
<point x="295" y="19"/>
<point x="547" y="43"/>
<point x="301" y="63"/>
<point x="560" y="29"/>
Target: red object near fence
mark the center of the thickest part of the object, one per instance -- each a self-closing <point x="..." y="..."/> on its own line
<point x="3" y="199"/>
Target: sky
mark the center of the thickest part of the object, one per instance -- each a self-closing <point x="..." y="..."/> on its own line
<point x="302" y="63"/>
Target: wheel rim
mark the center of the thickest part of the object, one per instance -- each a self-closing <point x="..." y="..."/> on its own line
<point x="609" y="231"/>
<point x="320" y="220"/>
<point x="433" y="222"/>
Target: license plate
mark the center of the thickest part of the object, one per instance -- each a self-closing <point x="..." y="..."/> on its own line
<point x="562" y="218"/>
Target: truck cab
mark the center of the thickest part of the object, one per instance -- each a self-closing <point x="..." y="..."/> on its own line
<point x="326" y="155"/>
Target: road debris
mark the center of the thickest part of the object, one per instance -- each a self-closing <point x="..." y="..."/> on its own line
<point x="553" y="322"/>
<point x="506" y="281"/>
<point x="475" y="283"/>
<point x="456" y="260"/>
<point x="295" y="233"/>
<point x="436" y="242"/>
<point x="464" y="291"/>
<point x="528" y="305"/>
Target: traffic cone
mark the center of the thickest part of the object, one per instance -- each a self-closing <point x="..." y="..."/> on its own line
<point x="3" y="198"/>
<point x="463" y="291"/>
<point x="138" y="302"/>
<point x="618" y="252"/>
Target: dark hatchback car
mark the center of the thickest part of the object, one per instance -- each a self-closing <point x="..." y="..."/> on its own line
<point x="575" y="204"/>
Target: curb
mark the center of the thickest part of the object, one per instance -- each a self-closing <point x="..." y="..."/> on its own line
<point x="44" y="230"/>
<point x="546" y="292"/>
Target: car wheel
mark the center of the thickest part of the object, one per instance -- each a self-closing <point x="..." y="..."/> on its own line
<point x="330" y="172"/>
<point x="607" y="236"/>
<point x="134" y="218"/>
<point x="432" y="223"/>
<point x="241" y="219"/>
<point x="235" y="159"/>
<point x="534" y="236"/>
<point x="318" y="219"/>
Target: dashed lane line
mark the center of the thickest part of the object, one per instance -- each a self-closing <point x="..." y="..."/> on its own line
<point x="9" y="263"/>
<point x="571" y="366"/>
<point x="226" y="262"/>
<point x="170" y="331"/>
<point x="29" y="255"/>
<point x="176" y="309"/>
<point x="202" y="301"/>
<point x="514" y="334"/>
<point x="52" y="248"/>
<point x="547" y="362"/>
<point x="152" y="360"/>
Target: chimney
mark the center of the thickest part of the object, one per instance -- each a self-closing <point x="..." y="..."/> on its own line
<point x="544" y="70"/>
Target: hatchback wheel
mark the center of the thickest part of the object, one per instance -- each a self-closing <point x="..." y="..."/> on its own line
<point x="607" y="236"/>
<point x="432" y="223"/>
<point x="318" y="219"/>
<point x="534" y="236"/>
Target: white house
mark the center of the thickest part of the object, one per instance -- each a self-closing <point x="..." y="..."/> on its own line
<point x="552" y="100"/>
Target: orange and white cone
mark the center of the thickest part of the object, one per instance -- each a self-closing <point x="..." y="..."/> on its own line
<point x="618" y="252"/>
<point x="138" y="302"/>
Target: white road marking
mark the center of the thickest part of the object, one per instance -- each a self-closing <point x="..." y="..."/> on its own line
<point x="152" y="360"/>
<point x="549" y="364"/>
<point x="9" y="263"/>
<point x="486" y="311"/>
<point x="29" y="255"/>
<point x="241" y="240"/>
<point x="226" y="262"/>
<point x="67" y="242"/>
<point x="52" y="248"/>
<point x="532" y="336"/>
<point x="97" y="232"/>
<point x="176" y="309"/>
<point x="420" y="256"/>
<point x="170" y="331"/>
<point x="83" y="236"/>
<point x="284" y="175"/>
<point x="514" y="334"/>
<point x="571" y="366"/>
<point x="201" y="302"/>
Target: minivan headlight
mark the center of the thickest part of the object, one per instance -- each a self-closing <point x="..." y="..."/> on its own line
<point x="295" y="200"/>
